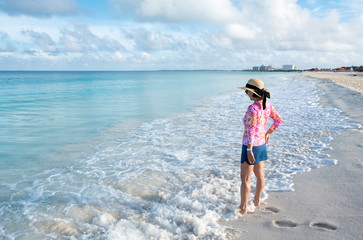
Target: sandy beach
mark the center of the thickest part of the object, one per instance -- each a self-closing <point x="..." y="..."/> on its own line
<point x="352" y="80"/>
<point x="326" y="203"/>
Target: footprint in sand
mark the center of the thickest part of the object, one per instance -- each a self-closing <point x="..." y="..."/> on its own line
<point x="323" y="226"/>
<point x="284" y="223"/>
<point x="271" y="209"/>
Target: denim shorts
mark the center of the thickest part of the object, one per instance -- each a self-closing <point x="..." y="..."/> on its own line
<point x="260" y="153"/>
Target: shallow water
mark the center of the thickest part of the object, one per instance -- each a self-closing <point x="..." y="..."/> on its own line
<point x="164" y="168"/>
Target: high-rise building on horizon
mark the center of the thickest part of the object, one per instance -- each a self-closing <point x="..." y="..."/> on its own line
<point x="289" y="67"/>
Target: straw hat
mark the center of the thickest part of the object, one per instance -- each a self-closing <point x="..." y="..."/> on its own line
<point x="254" y="84"/>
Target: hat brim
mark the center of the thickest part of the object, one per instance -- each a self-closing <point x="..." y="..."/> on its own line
<point x="250" y="89"/>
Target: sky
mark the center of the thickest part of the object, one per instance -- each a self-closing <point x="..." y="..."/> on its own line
<point x="179" y="34"/>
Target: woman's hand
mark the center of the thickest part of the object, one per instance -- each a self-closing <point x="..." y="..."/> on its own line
<point x="267" y="137"/>
<point x="250" y="157"/>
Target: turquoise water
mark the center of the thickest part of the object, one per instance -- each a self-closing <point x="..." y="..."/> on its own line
<point x="140" y="155"/>
<point x="41" y="112"/>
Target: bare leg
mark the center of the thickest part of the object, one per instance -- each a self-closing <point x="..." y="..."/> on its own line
<point x="260" y="184"/>
<point x="246" y="171"/>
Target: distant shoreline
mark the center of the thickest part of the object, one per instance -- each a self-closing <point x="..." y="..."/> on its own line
<point x="185" y="70"/>
<point x="352" y="80"/>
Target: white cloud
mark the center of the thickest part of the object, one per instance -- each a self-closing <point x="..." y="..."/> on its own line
<point x="151" y="40"/>
<point x="82" y="39"/>
<point x="6" y="46"/>
<point x="184" y="35"/>
<point x="283" y="23"/>
<point x="42" y="40"/>
<point x="118" y="55"/>
<point x="40" y="8"/>
<point x="202" y="11"/>
<point x="187" y="11"/>
<point x="239" y="31"/>
<point x="145" y="55"/>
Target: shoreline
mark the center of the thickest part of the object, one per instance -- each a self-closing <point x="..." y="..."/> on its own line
<point x="351" y="80"/>
<point x="326" y="203"/>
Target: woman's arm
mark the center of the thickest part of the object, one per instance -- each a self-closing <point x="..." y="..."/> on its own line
<point x="277" y="122"/>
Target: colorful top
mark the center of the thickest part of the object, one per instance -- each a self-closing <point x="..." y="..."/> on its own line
<point x="255" y="122"/>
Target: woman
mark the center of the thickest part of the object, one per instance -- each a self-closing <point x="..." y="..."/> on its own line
<point x="255" y="139"/>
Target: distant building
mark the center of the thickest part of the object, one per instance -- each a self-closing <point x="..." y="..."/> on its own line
<point x="262" y="68"/>
<point x="289" y="67"/>
<point x="265" y="68"/>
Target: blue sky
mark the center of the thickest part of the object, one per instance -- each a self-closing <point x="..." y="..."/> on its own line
<point x="179" y="34"/>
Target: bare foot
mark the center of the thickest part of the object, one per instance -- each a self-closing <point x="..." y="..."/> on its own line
<point x="242" y="210"/>
<point x="256" y="202"/>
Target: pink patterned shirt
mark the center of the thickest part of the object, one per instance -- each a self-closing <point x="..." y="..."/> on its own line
<point x="255" y="122"/>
